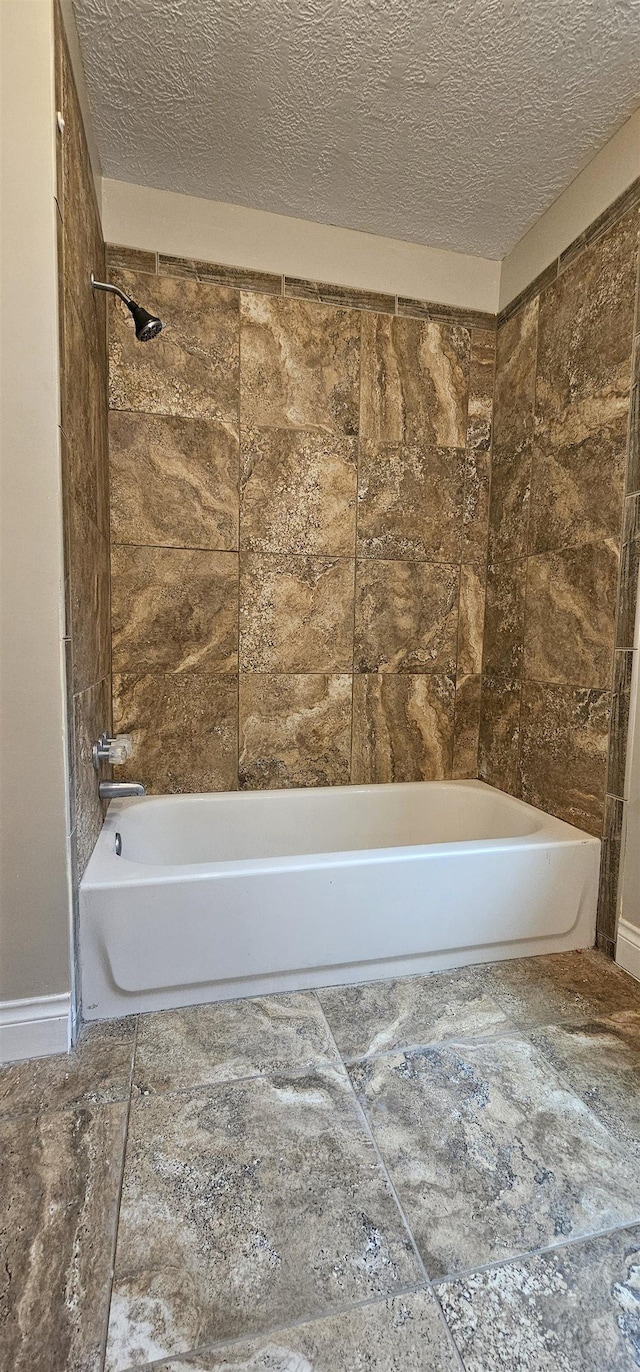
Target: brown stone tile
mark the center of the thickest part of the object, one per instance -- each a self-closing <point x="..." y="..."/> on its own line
<point x="514" y="394"/>
<point x="559" y="988"/>
<point x="410" y="501"/>
<point x="300" y="365"/>
<point x="96" y="1072"/>
<point x="510" y="498"/>
<point x="347" y="296"/>
<point x="620" y="706"/>
<point x="563" y="751"/>
<point x="610" y="867"/>
<point x="564" y="1308"/>
<point x="600" y="1060"/>
<point x="174" y="610"/>
<point x="262" y="1201"/>
<point x="415" y="380"/>
<point x="585" y="330"/>
<point x="475" y="510"/>
<point x="629" y="569"/>
<point x="402" y="727"/>
<point x="406" y="1332"/>
<point x="130" y="259"/>
<point x="377" y="1018"/>
<point x="298" y="492"/>
<point x="481" y="379"/>
<point x="577" y="484"/>
<point x="409" y="308"/>
<point x="184" y="728"/>
<point x="58" y="1215"/>
<point x="504" y="619"/>
<point x="633" y="463"/>
<point x="88" y="599"/>
<point x="174" y="481"/>
<point x="294" y="730"/>
<point x="91" y="717"/>
<point x="231" y="1040"/>
<point x="296" y="613"/>
<point x="458" y="1125"/>
<point x="192" y="368"/>
<point x="84" y="417"/>
<point x="471" y="620"/>
<point x="406" y="617"/>
<point x="570" y="615"/>
<point x="83" y="247"/>
<point x="240" y="278"/>
<point x="499" y="734"/>
<point x="466" y="727"/>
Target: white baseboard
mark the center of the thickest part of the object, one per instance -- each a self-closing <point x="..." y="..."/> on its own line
<point x="628" y="948"/>
<point x="34" y="1028"/>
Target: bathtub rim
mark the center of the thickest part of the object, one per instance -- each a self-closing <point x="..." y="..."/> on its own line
<point x="106" y="869"/>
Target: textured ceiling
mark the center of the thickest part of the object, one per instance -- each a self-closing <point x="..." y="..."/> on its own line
<point x="448" y="122"/>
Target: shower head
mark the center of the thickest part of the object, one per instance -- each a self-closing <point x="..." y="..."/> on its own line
<point x="147" y="325"/>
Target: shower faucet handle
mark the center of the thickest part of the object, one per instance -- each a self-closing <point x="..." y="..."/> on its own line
<point x="115" y="750"/>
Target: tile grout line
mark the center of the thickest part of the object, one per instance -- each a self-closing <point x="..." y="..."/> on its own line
<point x="125" y="1140"/>
<point x="523" y="1257"/>
<point x="369" y="1132"/>
<point x="219" y="1345"/>
<point x="392" y="1190"/>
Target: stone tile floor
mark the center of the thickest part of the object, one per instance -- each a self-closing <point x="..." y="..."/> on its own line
<point x="427" y="1175"/>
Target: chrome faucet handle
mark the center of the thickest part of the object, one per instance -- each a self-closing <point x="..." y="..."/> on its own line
<point x="115" y="750"/>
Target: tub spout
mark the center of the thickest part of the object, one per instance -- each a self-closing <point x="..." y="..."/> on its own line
<point x="117" y="790"/>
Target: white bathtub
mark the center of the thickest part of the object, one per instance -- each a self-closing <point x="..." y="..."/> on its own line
<point x="216" y="896"/>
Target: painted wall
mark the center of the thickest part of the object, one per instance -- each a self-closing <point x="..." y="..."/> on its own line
<point x="85" y="461"/>
<point x="34" y="866"/>
<point x="563" y="544"/>
<point x="187" y="226"/>
<point x="299" y="502"/>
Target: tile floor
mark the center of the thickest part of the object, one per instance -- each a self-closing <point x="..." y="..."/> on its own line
<point x="424" y="1175"/>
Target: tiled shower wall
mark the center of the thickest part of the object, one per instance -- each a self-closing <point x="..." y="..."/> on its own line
<point x="299" y="519"/>
<point x="85" y="462"/>
<point x="563" y="544"/>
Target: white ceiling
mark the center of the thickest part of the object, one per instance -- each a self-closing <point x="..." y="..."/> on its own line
<point x="448" y="122"/>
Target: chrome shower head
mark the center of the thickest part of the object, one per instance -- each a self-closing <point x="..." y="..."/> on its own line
<point x="147" y="325"/>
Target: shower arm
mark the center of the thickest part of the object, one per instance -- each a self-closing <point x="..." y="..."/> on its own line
<point x="113" y="290"/>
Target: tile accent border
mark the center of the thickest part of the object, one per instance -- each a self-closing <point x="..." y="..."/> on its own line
<point x="353" y="298"/>
<point x="597" y="229"/>
<point x="245" y="279"/>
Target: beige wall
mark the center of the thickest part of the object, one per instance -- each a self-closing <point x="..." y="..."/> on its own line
<point x="34" y="874"/>
<point x="187" y="226"/>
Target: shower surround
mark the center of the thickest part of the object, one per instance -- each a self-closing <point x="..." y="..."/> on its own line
<point x="302" y="545"/>
<point x="564" y="539"/>
<point x="299" y="522"/>
<point x="85" y="462"/>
